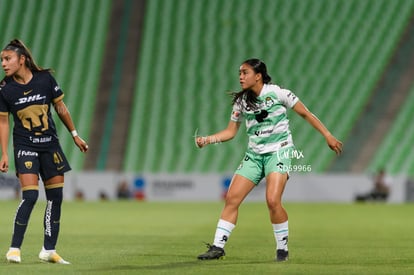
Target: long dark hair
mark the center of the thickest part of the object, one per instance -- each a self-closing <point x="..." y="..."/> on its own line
<point x="20" y="48"/>
<point x="250" y="97"/>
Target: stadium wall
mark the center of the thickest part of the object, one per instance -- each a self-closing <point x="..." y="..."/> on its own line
<point x="92" y="186"/>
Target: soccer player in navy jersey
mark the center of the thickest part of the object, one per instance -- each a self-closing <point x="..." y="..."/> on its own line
<point x="27" y="92"/>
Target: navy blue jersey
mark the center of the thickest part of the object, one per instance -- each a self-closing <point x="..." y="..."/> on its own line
<point x="30" y="106"/>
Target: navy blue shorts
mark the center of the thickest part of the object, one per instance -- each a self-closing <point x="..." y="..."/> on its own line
<point x="47" y="163"/>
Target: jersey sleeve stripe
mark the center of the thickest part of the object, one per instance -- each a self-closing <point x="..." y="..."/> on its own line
<point x="57" y="99"/>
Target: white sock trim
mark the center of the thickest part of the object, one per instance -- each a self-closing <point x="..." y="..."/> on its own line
<point x="280" y="227"/>
<point x="225" y="225"/>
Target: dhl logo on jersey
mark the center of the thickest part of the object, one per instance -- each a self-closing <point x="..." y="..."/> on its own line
<point x="31" y="98"/>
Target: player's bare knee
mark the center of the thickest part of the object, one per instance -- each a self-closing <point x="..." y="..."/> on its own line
<point x="274" y="204"/>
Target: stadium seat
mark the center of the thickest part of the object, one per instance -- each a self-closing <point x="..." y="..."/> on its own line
<point x="395" y="152"/>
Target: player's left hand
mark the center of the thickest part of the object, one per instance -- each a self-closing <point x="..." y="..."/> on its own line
<point x="334" y="144"/>
<point x="83" y="146"/>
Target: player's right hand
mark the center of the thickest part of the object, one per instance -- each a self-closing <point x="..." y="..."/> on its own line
<point x="4" y="164"/>
<point x="200" y="142"/>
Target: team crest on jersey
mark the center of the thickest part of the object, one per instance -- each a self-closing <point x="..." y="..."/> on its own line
<point x="269" y="101"/>
<point x="28" y="164"/>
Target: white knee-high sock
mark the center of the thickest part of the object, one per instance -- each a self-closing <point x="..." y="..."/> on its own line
<point x="281" y="232"/>
<point x="223" y="231"/>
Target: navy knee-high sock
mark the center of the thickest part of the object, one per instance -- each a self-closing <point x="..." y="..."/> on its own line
<point x="51" y="223"/>
<point x="29" y="198"/>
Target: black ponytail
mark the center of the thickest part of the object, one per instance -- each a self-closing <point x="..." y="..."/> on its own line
<point x="249" y="97"/>
<point x="20" y="48"/>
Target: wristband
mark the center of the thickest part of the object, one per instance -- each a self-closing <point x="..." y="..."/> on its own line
<point x="74" y="133"/>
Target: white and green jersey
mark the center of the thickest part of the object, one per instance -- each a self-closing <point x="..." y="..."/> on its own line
<point x="268" y="125"/>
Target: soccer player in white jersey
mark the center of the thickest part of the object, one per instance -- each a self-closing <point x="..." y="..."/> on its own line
<point x="263" y="106"/>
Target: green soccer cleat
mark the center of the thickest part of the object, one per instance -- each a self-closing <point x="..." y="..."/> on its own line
<point x="51" y="257"/>
<point x="213" y="252"/>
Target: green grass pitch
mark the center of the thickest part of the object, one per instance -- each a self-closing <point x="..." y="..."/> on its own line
<point x="165" y="238"/>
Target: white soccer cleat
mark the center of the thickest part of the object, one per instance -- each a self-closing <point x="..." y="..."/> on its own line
<point x="13" y="256"/>
<point x="51" y="257"/>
